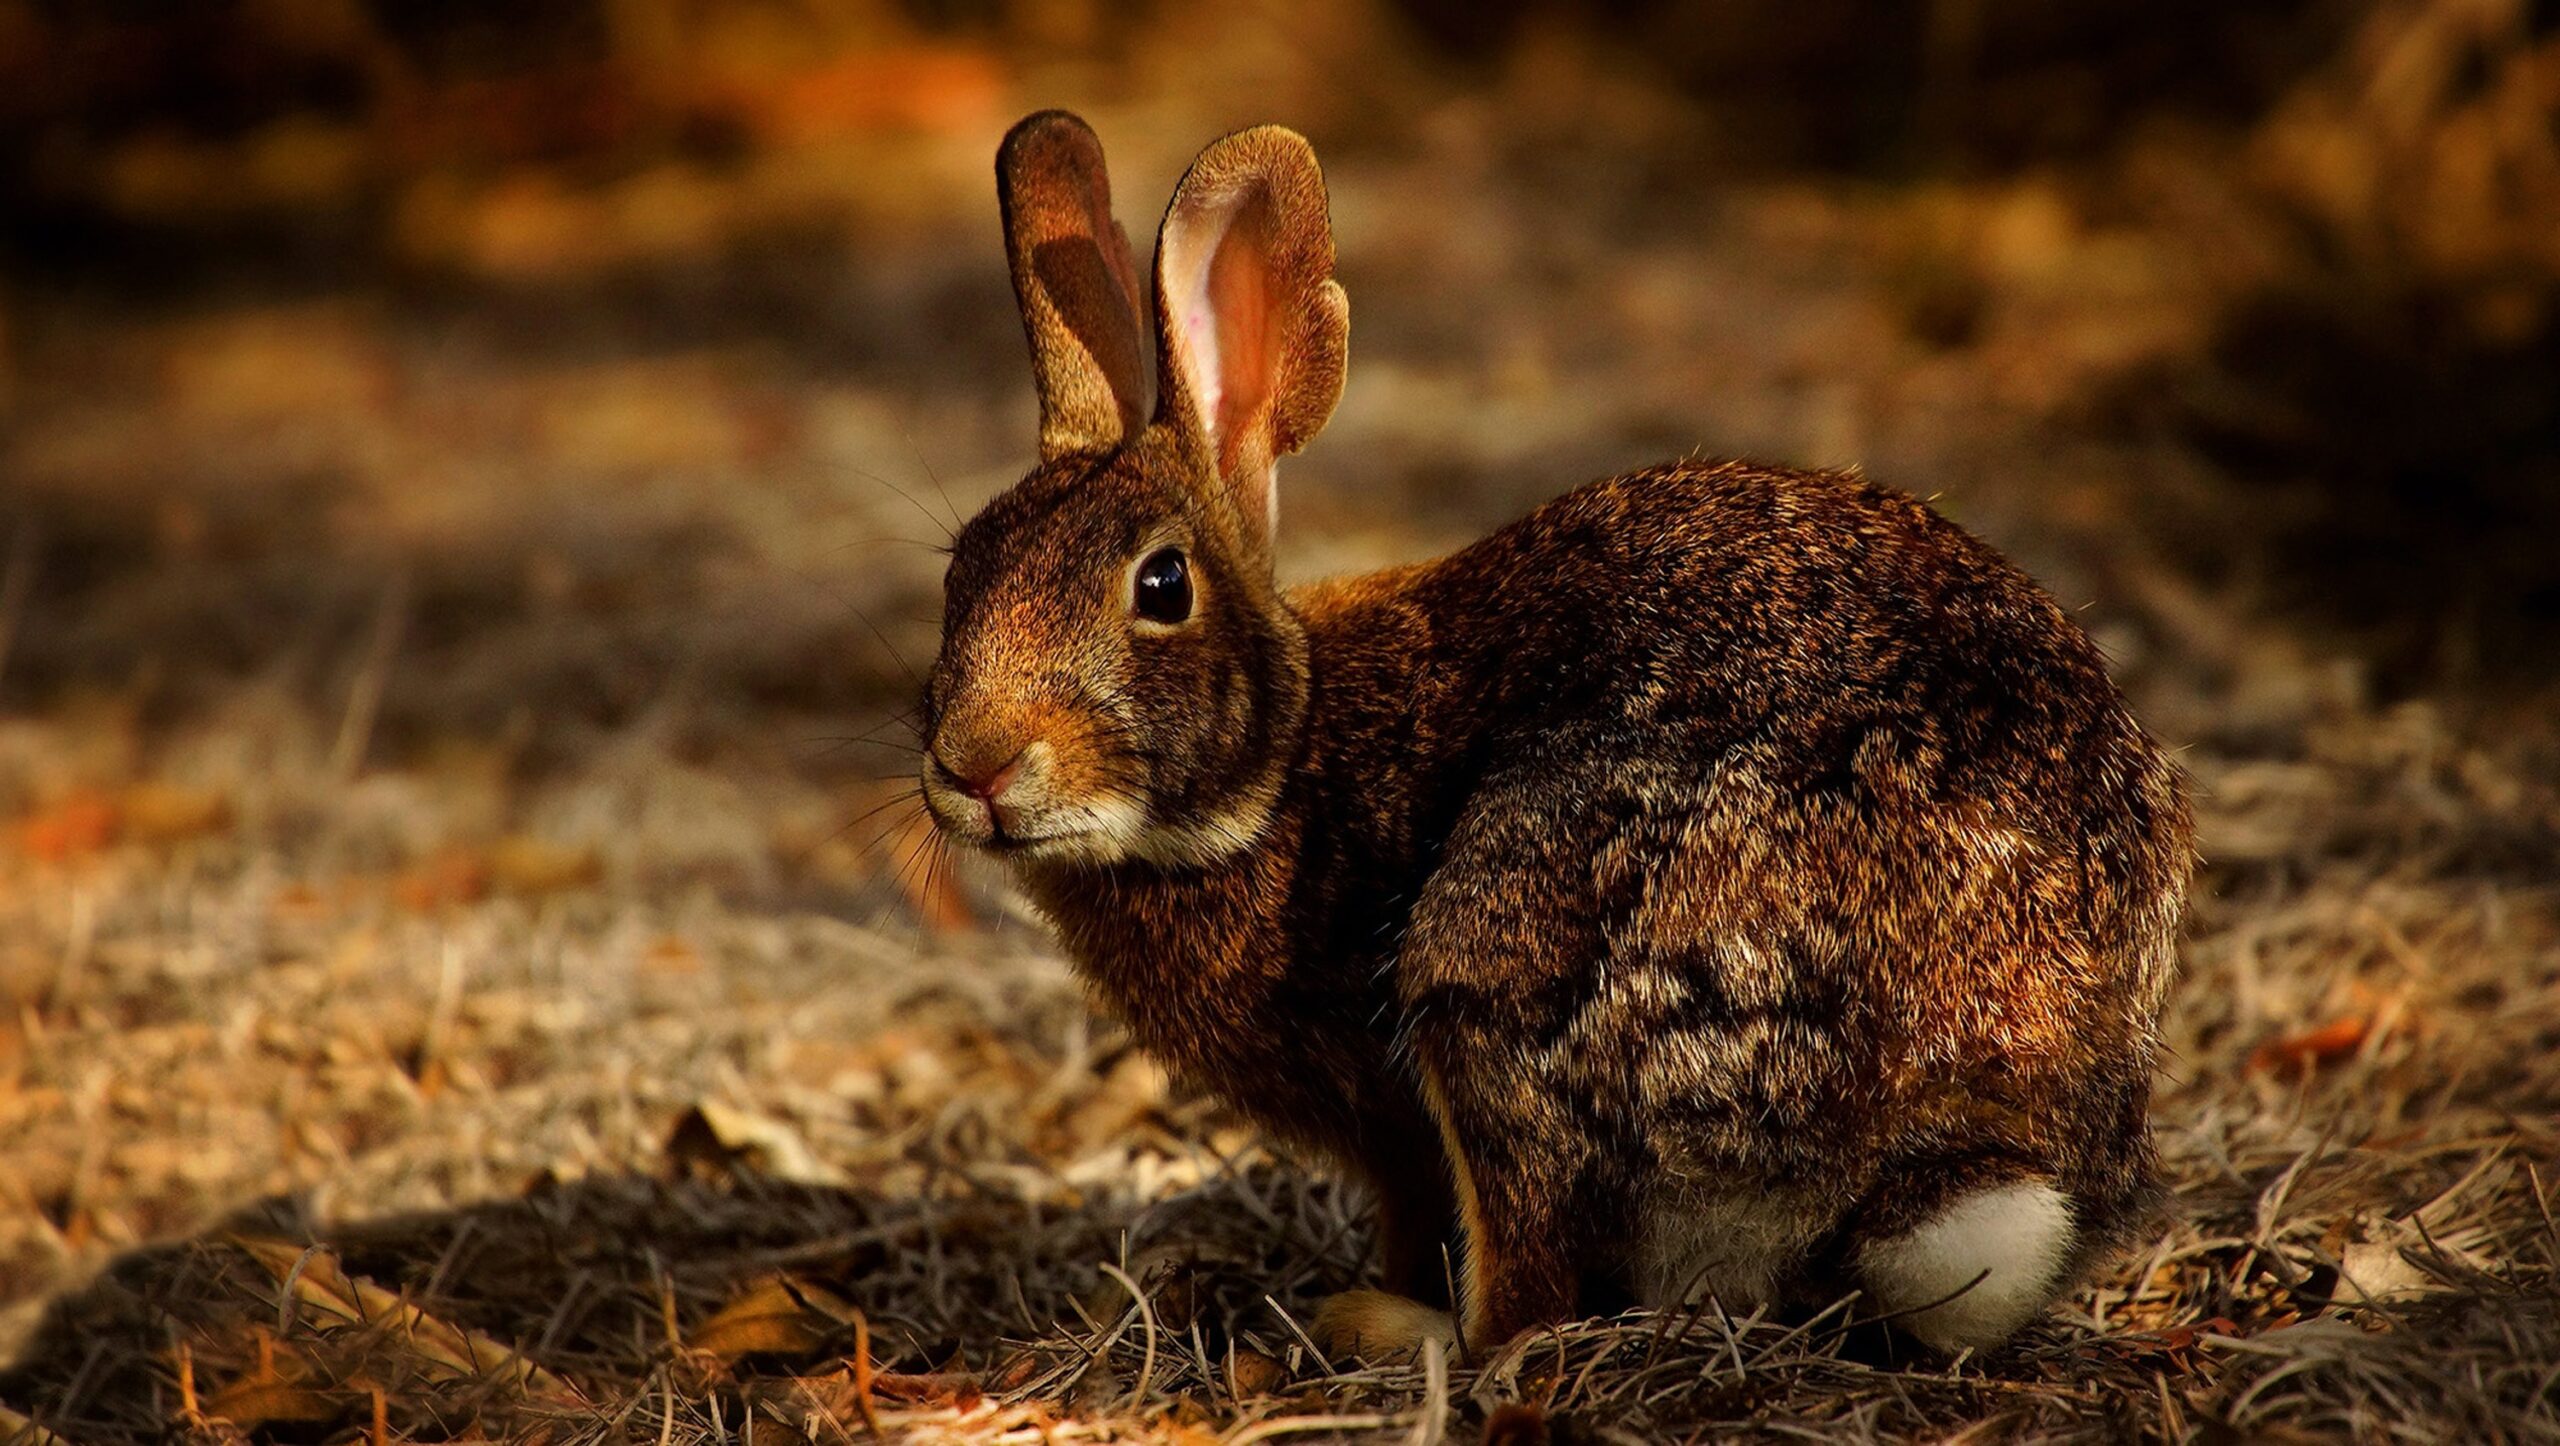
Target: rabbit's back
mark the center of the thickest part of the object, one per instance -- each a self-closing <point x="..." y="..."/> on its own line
<point x="1792" y="841"/>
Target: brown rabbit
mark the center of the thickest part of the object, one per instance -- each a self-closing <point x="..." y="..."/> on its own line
<point x="1724" y="880"/>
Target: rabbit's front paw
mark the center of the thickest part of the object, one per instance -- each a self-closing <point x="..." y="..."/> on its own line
<point x="1372" y="1325"/>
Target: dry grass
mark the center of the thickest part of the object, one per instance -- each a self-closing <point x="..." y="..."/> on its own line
<point x="468" y="971"/>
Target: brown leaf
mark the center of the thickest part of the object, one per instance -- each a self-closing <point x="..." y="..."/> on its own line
<point x="957" y="1389"/>
<point x="17" y="1430"/>
<point x="162" y="813"/>
<point x="255" y="1401"/>
<point x="1017" y="1371"/>
<point x="2326" y="1045"/>
<point x="523" y="865"/>
<point x="281" y="1388"/>
<point x="330" y="1300"/>
<point x="77" y="825"/>
<point x="671" y="954"/>
<point x="1253" y="1373"/>
<point x="844" y="1398"/>
<point x="452" y="877"/>
<point x="2178" y="1343"/>
<point x="934" y="88"/>
<point x="719" y="1140"/>
<point x="778" y="1316"/>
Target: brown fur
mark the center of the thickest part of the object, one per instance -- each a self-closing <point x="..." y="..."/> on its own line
<point x="1712" y="829"/>
<point x="1076" y="284"/>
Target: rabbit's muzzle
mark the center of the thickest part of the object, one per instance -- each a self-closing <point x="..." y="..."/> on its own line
<point x="1001" y="780"/>
<point x="984" y="802"/>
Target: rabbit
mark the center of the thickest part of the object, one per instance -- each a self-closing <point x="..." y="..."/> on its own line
<point x="1725" y="881"/>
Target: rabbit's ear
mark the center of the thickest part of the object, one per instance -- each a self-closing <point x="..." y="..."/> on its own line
<point x="1252" y="328"/>
<point x="1077" y="285"/>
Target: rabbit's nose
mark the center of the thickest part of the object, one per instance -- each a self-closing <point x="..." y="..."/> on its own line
<point x="981" y="783"/>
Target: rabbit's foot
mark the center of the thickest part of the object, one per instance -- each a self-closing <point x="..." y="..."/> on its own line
<point x="1375" y="1326"/>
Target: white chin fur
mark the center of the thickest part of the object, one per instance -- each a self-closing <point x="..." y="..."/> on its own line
<point x="1982" y="1268"/>
<point x="1110" y="829"/>
<point x="1115" y="830"/>
<point x="1102" y="831"/>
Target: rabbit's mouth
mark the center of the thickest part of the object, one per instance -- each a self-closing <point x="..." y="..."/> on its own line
<point x="1036" y="846"/>
<point x="1022" y="811"/>
<point x="1051" y="845"/>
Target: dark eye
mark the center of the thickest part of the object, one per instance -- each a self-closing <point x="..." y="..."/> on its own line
<point x="1163" y="587"/>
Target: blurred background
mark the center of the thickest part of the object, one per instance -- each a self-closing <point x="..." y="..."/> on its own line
<point x="469" y="474"/>
<point x="596" y="325"/>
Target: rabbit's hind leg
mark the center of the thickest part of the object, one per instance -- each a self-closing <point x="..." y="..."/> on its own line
<point x="1970" y="1274"/>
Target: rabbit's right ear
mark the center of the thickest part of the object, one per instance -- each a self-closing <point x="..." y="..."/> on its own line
<point x="1078" y="287"/>
<point x="1252" y="329"/>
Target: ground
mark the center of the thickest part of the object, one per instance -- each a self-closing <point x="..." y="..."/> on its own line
<point x="473" y="967"/>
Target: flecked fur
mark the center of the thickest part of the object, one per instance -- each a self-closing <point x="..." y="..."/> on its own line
<point x="1714" y="832"/>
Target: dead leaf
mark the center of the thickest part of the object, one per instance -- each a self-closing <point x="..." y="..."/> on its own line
<point x="1017" y="1371"/>
<point x="163" y="813"/>
<point x="77" y="825"/>
<point x="2326" y="1045"/>
<point x="671" y="954"/>
<point x="723" y="1140"/>
<point x="17" y="1430"/>
<point x="255" y="1401"/>
<point x="279" y="1388"/>
<point x="778" y="1316"/>
<point x="330" y="1300"/>
<point x="299" y="904"/>
<point x="2379" y="1271"/>
<point x="450" y="878"/>
<point x="2177" y="1343"/>
<point x="956" y="1389"/>
<point x="849" y="1396"/>
<point x="523" y="865"/>
<point x="931" y="88"/>
<point x="1253" y="1374"/>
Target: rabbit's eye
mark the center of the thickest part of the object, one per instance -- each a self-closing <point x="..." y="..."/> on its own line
<point x="1163" y="587"/>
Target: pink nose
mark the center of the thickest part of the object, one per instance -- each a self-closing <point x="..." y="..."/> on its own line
<point x="985" y="787"/>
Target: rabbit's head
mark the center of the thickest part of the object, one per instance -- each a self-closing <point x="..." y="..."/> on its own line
<point x="1119" y="676"/>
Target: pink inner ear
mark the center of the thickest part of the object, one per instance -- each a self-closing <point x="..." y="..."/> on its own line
<point x="1228" y="328"/>
<point x="1240" y="293"/>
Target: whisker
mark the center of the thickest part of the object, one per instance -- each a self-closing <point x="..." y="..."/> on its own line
<point x="873" y="737"/>
<point x="931" y="476"/>
<point x="920" y="851"/>
<point x="950" y="533"/>
<point x="895" y="824"/>
<point x="845" y="601"/>
<point x="940" y="547"/>
<point x="914" y="796"/>
<point x="912" y="675"/>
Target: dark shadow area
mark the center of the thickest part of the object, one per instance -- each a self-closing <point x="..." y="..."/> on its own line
<point x="2400" y="464"/>
<point x="559" y="1310"/>
<point x="626" y="1308"/>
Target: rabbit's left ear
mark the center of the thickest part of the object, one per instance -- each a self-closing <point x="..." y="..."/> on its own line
<point x="1252" y="329"/>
